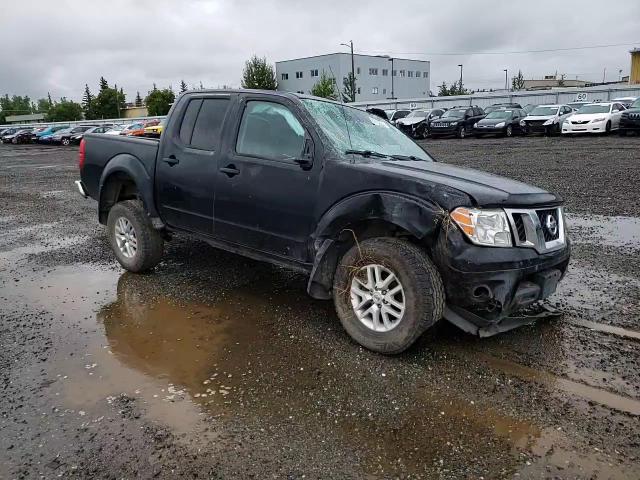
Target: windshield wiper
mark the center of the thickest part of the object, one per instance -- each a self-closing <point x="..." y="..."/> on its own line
<point x="405" y="157"/>
<point x="366" y="153"/>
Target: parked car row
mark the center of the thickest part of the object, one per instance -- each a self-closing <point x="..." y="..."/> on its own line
<point x="71" y="135"/>
<point x="508" y="119"/>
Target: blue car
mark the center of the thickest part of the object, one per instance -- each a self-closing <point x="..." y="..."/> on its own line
<point x="48" y="132"/>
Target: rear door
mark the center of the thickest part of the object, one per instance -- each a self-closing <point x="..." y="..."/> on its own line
<point x="265" y="199"/>
<point x="188" y="160"/>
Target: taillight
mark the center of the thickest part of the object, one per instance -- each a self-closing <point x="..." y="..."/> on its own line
<point x="81" y="155"/>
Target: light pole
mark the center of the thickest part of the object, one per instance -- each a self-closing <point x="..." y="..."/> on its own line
<point x="392" y="94"/>
<point x="353" y="73"/>
<point x="506" y="80"/>
<point x="460" y="65"/>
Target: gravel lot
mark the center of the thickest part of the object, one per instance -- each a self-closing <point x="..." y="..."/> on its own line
<point x="216" y="366"/>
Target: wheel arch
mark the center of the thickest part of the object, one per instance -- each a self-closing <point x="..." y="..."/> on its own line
<point x="125" y="178"/>
<point x="368" y="215"/>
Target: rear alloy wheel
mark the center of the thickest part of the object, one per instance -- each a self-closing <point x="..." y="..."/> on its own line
<point x="137" y="245"/>
<point x="509" y="131"/>
<point x="65" y="142"/>
<point x="462" y="132"/>
<point x="387" y="292"/>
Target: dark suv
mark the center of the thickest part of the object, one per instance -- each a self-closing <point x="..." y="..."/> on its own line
<point x="630" y="119"/>
<point x="458" y="121"/>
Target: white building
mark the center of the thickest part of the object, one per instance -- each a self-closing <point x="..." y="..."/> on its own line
<point x="377" y="77"/>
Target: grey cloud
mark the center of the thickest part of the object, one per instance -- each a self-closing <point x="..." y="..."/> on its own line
<point x="59" y="46"/>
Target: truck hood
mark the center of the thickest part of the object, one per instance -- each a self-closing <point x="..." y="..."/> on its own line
<point x="484" y="188"/>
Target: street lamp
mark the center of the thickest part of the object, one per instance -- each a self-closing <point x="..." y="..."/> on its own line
<point x="460" y="65"/>
<point x="353" y="73"/>
<point x="506" y="81"/>
<point x="392" y="95"/>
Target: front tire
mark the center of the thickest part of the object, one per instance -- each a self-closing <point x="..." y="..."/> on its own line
<point x="509" y="131"/>
<point x="462" y="132"/>
<point x="607" y="128"/>
<point x="137" y="245"/>
<point x="65" y="142"/>
<point x="387" y="292"/>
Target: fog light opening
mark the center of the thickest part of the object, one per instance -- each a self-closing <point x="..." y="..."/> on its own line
<point x="482" y="292"/>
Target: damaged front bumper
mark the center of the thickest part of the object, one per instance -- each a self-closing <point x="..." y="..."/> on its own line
<point x="485" y="286"/>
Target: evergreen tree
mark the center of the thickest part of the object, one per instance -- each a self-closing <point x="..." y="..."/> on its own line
<point x="103" y="84"/>
<point x="88" y="104"/>
<point x="517" y="83"/>
<point x="183" y="86"/>
<point x="258" y="74"/>
<point x="325" y="87"/>
<point x="443" y="90"/>
<point x="349" y="88"/>
<point x="138" y="100"/>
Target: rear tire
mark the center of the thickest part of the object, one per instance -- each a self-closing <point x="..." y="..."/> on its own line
<point x="422" y="294"/>
<point x="143" y="246"/>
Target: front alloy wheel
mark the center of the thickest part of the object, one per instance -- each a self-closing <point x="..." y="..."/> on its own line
<point x="462" y="132"/>
<point x="65" y="142"/>
<point x="387" y="292"/>
<point x="377" y="298"/>
<point x="509" y="130"/>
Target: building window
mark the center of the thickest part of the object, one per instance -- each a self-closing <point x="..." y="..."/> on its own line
<point x="298" y="74"/>
<point x="384" y="91"/>
<point x="314" y="73"/>
<point x="402" y="73"/>
<point x="394" y="73"/>
<point x="385" y="72"/>
<point x="417" y="74"/>
<point x="285" y="76"/>
<point x="410" y="73"/>
<point x="373" y="71"/>
<point x="374" y="90"/>
<point x="358" y="71"/>
<point x="425" y="74"/>
<point x="358" y="91"/>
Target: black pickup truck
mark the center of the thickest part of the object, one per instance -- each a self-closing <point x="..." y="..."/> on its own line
<point x="398" y="240"/>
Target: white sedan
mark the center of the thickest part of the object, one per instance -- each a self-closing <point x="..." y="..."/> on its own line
<point x="594" y="118"/>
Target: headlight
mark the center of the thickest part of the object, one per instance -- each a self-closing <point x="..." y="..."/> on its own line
<point x="551" y="121"/>
<point x="596" y="120"/>
<point x="499" y="125"/>
<point x="523" y="123"/>
<point x="475" y="125"/>
<point x="484" y="227"/>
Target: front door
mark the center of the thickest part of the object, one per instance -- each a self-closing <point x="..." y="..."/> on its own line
<point x="267" y="182"/>
<point x="187" y="166"/>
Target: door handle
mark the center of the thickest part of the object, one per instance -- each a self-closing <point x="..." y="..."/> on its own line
<point x="230" y="170"/>
<point x="171" y="160"/>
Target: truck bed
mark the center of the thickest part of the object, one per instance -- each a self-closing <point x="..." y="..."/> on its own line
<point x="101" y="149"/>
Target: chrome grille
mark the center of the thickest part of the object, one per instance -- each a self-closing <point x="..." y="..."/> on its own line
<point x="541" y="228"/>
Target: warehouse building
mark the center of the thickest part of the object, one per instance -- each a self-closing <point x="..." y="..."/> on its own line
<point x="377" y="77"/>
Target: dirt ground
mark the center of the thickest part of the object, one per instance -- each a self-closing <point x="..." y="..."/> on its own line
<point x="216" y="366"/>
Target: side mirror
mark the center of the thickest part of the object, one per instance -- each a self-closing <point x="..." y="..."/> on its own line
<point x="306" y="159"/>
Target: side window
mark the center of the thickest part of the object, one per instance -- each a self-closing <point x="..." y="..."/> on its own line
<point x="469" y="112"/>
<point x="270" y="130"/>
<point x="206" y="133"/>
<point x="189" y="119"/>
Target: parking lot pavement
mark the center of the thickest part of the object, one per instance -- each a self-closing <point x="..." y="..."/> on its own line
<point x="222" y="367"/>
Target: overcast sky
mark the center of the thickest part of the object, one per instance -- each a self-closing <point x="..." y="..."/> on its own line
<point x="58" y="46"/>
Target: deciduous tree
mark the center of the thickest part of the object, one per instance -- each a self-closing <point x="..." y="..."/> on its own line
<point x="325" y="87"/>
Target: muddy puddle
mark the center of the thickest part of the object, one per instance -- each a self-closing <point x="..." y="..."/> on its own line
<point x="247" y="354"/>
<point x="605" y="230"/>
